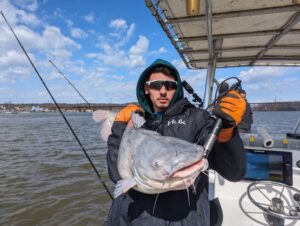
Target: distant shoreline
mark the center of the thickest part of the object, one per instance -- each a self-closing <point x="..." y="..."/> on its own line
<point x="83" y="107"/>
<point x="276" y="106"/>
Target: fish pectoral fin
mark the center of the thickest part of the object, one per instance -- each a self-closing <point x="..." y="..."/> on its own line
<point x="123" y="186"/>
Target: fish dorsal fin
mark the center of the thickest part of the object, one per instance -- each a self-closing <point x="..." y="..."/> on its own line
<point x="137" y="120"/>
<point x="123" y="186"/>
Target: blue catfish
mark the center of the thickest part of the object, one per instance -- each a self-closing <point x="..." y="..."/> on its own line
<point x="149" y="162"/>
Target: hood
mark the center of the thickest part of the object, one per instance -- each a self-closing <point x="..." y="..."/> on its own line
<point x="143" y="99"/>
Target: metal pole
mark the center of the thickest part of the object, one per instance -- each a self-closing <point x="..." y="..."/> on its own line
<point x="212" y="57"/>
<point x="209" y="82"/>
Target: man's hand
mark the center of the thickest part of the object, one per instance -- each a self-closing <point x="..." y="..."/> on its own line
<point x="125" y="114"/>
<point x="231" y="109"/>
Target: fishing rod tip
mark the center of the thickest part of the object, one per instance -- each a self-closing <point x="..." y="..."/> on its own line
<point x="2" y="13"/>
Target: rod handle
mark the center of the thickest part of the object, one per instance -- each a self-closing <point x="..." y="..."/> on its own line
<point x="212" y="137"/>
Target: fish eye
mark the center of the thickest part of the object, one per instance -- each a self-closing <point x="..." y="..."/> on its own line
<point x="157" y="164"/>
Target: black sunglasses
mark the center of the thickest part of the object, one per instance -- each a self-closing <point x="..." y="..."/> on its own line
<point x="158" y="84"/>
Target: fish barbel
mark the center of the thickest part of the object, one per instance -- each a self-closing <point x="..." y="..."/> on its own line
<point x="152" y="163"/>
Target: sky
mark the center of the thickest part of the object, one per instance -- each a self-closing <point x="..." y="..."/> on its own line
<point x="102" y="47"/>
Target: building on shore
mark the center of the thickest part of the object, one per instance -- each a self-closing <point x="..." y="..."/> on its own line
<point x="81" y="107"/>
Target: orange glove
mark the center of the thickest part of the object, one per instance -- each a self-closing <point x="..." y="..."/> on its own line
<point x="231" y="109"/>
<point x="125" y="114"/>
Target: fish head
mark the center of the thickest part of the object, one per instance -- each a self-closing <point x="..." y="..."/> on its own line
<point x="167" y="159"/>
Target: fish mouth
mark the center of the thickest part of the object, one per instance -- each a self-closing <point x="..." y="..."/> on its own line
<point x="189" y="170"/>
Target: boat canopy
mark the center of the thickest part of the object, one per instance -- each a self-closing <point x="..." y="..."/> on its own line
<point x="243" y="32"/>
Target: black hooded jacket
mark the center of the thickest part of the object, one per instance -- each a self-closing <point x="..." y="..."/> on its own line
<point x="185" y="121"/>
<point x="245" y="125"/>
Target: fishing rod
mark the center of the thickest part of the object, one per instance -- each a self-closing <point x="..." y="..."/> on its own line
<point x="62" y="114"/>
<point x="70" y="83"/>
<point x="222" y="90"/>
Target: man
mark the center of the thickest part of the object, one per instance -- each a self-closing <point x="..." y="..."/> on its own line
<point x="247" y="120"/>
<point x="160" y="94"/>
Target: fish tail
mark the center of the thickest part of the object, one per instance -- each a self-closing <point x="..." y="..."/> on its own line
<point x="105" y="118"/>
<point x="101" y="115"/>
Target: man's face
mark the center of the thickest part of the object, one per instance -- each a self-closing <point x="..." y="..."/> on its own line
<point x="162" y="97"/>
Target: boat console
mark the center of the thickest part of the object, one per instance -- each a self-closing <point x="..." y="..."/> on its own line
<point x="269" y="165"/>
<point x="269" y="193"/>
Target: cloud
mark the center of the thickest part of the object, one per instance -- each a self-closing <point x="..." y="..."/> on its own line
<point x="52" y="36"/>
<point x="113" y="55"/>
<point x="195" y="78"/>
<point x="111" y="66"/>
<point x="12" y="57"/>
<point x="41" y="44"/>
<point x="134" y="58"/>
<point x="122" y="33"/>
<point x="98" y="88"/>
<point x="75" y="31"/>
<point x="256" y="74"/>
<point x="78" y="33"/>
<point x="19" y="16"/>
<point x="118" y="24"/>
<point x="47" y="38"/>
<point x="141" y="47"/>
<point x="90" y="17"/>
<point x="265" y="84"/>
<point x="31" y="5"/>
<point x="15" y="73"/>
<point x="262" y="79"/>
<point x="93" y="55"/>
<point x="58" y="13"/>
<point x="158" y="52"/>
<point x="179" y="64"/>
<point x="28" y="19"/>
<point x="69" y="22"/>
<point x="123" y="39"/>
<point x="130" y="31"/>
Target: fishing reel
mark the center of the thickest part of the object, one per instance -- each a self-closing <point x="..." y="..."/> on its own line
<point x="223" y="87"/>
<point x="278" y="201"/>
<point x="190" y="90"/>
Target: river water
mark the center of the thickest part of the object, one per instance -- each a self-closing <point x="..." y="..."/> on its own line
<point x="45" y="179"/>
